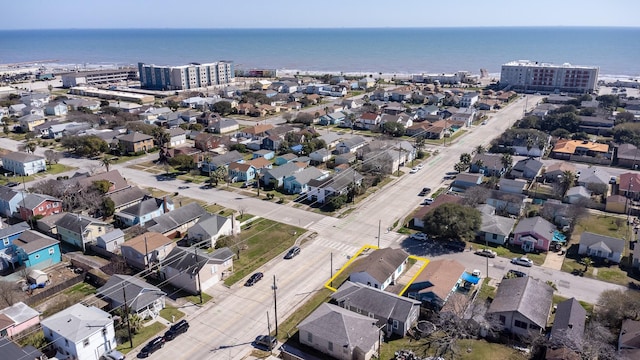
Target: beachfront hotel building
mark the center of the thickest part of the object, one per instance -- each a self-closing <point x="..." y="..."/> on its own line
<point x="532" y="76"/>
<point x="185" y="77"/>
<point x="98" y="76"/>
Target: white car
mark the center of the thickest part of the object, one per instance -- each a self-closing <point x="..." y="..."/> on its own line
<point x="413" y="171"/>
<point x="420" y="236"/>
<point x="428" y="201"/>
<point x="522" y="261"/>
<point x="419" y="166"/>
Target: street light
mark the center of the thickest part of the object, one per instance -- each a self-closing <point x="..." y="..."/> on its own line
<point x="275" y="303"/>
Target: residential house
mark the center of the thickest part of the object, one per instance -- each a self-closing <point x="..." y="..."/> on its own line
<point x="512" y="186"/>
<point x="380" y="268"/>
<point x="617" y="204"/>
<point x="127" y="197"/>
<point x="13" y="351"/>
<point x="135" y="142"/>
<point x="147" y="249"/>
<point x="629" y="339"/>
<point x="210" y="228"/>
<point x="577" y="195"/>
<point x="512" y="204"/>
<point x="596" y="125"/>
<point x="347" y="158"/>
<point x="241" y="172"/>
<point x="366" y="83"/>
<point x="465" y="181"/>
<point x="56" y="109"/>
<point x="464" y="116"/>
<point x="177" y="222"/>
<point x="435" y="130"/>
<point x="140" y="297"/>
<point x="37" y="204"/>
<point x="628" y="155"/>
<point x="30" y="121"/>
<point x="79" y="230"/>
<point x="320" y="156"/>
<point x="194" y="271"/>
<point x="223" y="126"/>
<point x="21" y="163"/>
<point x="115" y="179"/>
<point x="264" y="153"/>
<point x="350" y="145"/>
<point x="150" y="115"/>
<point x="334" y="118"/>
<point x="557" y="212"/>
<point x="436" y="282"/>
<point x="568" y="324"/>
<point x="565" y="149"/>
<point x="177" y="137"/>
<point x="111" y="241"/>
<point x="488" y="164"/>
<point x="601" y="246"/>
<point x="419" y="215"/>
<point x="533" y="234"/>
<point x="593" y="176"/>
<point x="395" y="314"/>
<point x="557" y="170"/>
<point x="78" y="104"/>
<point x="206" y="141"/>
<point x="261" y="164"/>
<point x="285" y="158"/>
<point x="330" y="139"/>
<point x="340" y="333"/>
<point x="526" y="169"/>
<point x="402" y="118"/>
<point x="334" y="185"/>
<point x="141" y="213"/>
<point x="530" y="146"/>
<point x="7" y="236"/>
<point x="297" y="183"/>
<point x="47" y="225"/>
<point x="629" y="186"/>
<point x="221" y="161"/>
<point x="17" y="318"/>
<point x="272" y="142"/>
<point x="36" y="249"/>
<point x="9" y="200"/>
<point x="255" y="132"/>
<point x="274" y="178"/>
<point x="494" y="229"/>
<point x="522" y="305"/>
<point x="16" y="109"/>
<point x="80" y="332"/>
<point x="469" y="99"/>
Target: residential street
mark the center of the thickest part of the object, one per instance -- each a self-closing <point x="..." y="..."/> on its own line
<point x="225" y="327"/>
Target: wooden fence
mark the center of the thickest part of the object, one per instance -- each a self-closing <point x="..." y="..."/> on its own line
<point x="50" y="291"/>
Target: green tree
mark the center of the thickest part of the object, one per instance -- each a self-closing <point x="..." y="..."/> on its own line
<point x="587" y="262"/>
<point x="452" y="221"/>
<point x="393" y="128"/>
<point x="336" y="202"/>
<point x="507" y="160"/>
<point x="609" y="101"/>
<point x="623" y="117"/>
<point x="182" y="161"/>
<point x="106" y="162"/>
<point x="567" y="180"/>
<point x="102" y="186"/>
<point x="108" y="207"/>
<point x="460" y="167"/>
<point x="160" y="136"/>
<point x="222" y="107"/>
<point x="480" y="149"/>
<point x="465" y="158"/>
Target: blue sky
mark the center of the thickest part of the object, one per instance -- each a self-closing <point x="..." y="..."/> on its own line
<point x="47" y="14"/>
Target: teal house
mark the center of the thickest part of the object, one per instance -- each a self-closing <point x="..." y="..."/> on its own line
<point x="37" y="250"/>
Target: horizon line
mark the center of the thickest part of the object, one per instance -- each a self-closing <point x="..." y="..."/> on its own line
<point x="334" y="28"/>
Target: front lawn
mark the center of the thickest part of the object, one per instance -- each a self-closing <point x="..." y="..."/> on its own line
<point x="613" y="226"/>
<point x="512" y="252"/>
<point x="172" y="314"/>
<point x="146" y="333"/>
<point x="58" y="168"/>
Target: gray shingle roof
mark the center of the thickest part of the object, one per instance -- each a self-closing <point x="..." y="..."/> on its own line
<point x="127" y="195"/>
<point x="525" y="295"/>
<point x="535" y="224"/>
<point x="338" y="181"/>
<point x="376" y="301"/>
<point x="175" y="218"/>
<point x="77" y="223"/>
<point x="210" y="224"/>
<point x="139" y="293"/>
<point x="21" y="157"/>
<point x="14" y="229"/>
<point x="570" y="318"/>
<point x="494" y="224"/>
<point x="381" y="263"/>
<point x="589" y="239"/>
<point x="226" y="159"/>
<point x="282" y="170"/>
<point x="77" y="322"/>
<point x="341" y="326"/>
<point x="12" y="351"/>
<point x="143" y="208"/>
<point x="304" y="176"/>
<point x="7" y="193"/>
<point x="31" y="201"/>
<point x="134" y="137"/>
<point x="31" y="241"/>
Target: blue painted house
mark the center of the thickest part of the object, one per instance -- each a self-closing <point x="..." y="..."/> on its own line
<point x="241" y="172"/>
<point x="9" y="234"/>
<point x="36" y="249"/>
<point x="146" y="210"/>
<point x="285" y="158"/>
<point x="264" y="153"/>
<point x="9" y="200"/>
<point x="297" y="183"/>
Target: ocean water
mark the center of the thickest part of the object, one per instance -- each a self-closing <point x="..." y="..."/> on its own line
<point x="395" y="50"/>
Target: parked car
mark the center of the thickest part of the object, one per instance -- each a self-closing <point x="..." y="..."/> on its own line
<point x="183" y="187"/>
<point x="266" y="341"/>
<point x="112" y="355"/>
<point x="420" y="236"/>
<point x="254" y="279"/>
<point x="522" y="261"/>
<point x="151" y="347"/>
<point x="419" y="166"/>
<point x="176" y="329"/>
<point x="449" y="177"/>
<point x="487" y="253"/>
<point x="413" y="171"/>
<point x="12" y="184"/>
<point x="424" y="191"/>
<point x="451" y="173"/>
<point x="514" y="273"/>
<point x="293" y="252"/>
<point x="428" y="201"/>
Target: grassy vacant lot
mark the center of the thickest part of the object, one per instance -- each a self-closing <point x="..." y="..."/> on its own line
<point x="58" y="168"/>
<point x="146" y="333"/>
<point x="82" y="288"/>
<point x="467" y="349"/>
<point x="261" y="241"/>
<point x="613" y="226"/>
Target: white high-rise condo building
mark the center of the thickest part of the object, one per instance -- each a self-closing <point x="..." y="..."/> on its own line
<point x="532" y="76"/>
<point x="185" y="77"/>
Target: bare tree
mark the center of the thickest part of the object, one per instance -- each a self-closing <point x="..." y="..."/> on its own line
<point x="8" y="293"/>
<point x="52" y="156"/>
<point x="598" y="342"/>
<point x="476" y="195"/>
<point x="242" y="209"/>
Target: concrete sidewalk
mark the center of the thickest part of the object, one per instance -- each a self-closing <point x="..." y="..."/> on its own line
<point x="554" y="260"/>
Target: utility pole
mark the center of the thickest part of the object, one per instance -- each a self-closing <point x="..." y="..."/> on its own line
<point x="195" y="252"/>
<point x="331" y="269"/>
<point x="379" y="224"/>
<point x="275" y="303"/>
<point x="126" y="314"/>
<point x="268" y="330"/>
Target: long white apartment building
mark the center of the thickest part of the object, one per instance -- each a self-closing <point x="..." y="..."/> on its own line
<point x="533" y="76"/>
<point x="185" y="77"/>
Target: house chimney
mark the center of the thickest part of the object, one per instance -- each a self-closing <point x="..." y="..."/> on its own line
<point x="165" y="208"/>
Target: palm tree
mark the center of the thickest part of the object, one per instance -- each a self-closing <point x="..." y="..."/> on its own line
<point x="507" y="160"/>
<point x="106" y="162"/>
<point x="587" y="262"/>
<point x="465" y="158"/>
<point x="566" y="181"/>
<point x="480" y="149"/>
<point x="460" y="167"/>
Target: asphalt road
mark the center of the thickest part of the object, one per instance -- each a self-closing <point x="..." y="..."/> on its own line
<point x="225" y="327"/>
